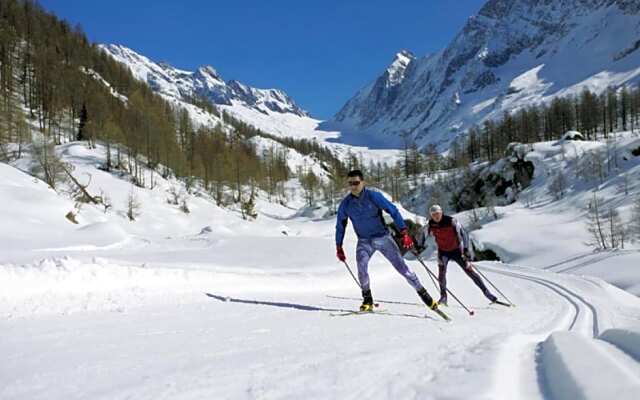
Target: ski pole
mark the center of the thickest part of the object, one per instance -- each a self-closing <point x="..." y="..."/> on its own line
<point x="352" y="275"/>
<point x="432" y="275"/>
<point x="491" y="283"/>
<point x="437" y="286"/>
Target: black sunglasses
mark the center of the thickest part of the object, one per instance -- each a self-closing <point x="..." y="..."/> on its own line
<point x="354" y="183"/>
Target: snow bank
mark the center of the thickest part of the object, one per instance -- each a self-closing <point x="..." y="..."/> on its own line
<point x="551" y="233"/>
<point x="625" y="339"/>
<point x="67" y="285"/>
<point x="576" y="367"/>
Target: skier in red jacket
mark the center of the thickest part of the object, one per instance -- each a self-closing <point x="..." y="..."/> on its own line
<point x="453" y="244"/>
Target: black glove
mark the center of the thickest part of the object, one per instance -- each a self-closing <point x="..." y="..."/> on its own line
<point x="466" y="256"/>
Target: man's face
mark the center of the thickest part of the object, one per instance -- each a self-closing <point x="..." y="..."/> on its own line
<point x="436" y="216"/>
<point x="356" y="184"/>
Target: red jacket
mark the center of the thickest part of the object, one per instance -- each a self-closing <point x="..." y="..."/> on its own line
<point x="448" y="234"/>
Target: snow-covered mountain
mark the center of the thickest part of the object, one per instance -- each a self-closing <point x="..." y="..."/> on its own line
<point x="262" y="108"/>
<point x="204" y="82"/>
<point x="270" y="110"/>
<point x="512" y="54"/>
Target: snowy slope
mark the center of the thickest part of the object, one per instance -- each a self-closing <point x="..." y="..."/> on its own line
<point x="540" y="231"/>
<point x="209" y="305"/>
<point x="269" y="110"/>
<point x="511" y="55"/>
<point x="204" y="82"/>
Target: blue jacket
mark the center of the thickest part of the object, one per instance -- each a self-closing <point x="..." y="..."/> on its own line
<point x="365" y="213"/>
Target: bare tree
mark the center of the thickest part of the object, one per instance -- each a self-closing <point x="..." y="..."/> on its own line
<point x="133" y="206"/>
<point x="616" y="229"/>
<point x="634" y="224"/>
<point x="527" y="197"/>
<point x="247" y="206"/>
<point x="474" y="221"/>
<point x="174" y="195"/>
<point x="23" y="135"/>
<point x="78" y="190"/>
<point x="592" y="166"/>
<point x="595" y="223"/>
<point x="624" y="183"/>
<point x="105" y="200"/>
<point x="184" y="207"/>
<point x="490" y="203"/>
<point x="4" y="153"/>
<point x="310" y="184"/>
<point x="558" y="185"/>
<point x="48" y="166"/>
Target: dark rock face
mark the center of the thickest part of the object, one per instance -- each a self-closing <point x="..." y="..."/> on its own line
<point x="523" y="173"/>
<point x="477" y="188"/>
<point x="486" y="78"/>
<point x="485" y="255"/>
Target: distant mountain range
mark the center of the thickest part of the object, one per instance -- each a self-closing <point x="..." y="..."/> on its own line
<point x="512" y="54"/>
<point x="204" y="82"/>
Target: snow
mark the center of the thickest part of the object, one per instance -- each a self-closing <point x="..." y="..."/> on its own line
<point x="502" y="62"/>
<point x="556" y="236"/>
<point x="529" y="79"/>
<point x="625" y="339"/>
<point x="571" y="362"/>
<point x="303" y="127"/>
<point x="294" y="159"/>
<point x="210" y="305"/>
<point x="572" y="135"/>
<point x="482" y="105"/>
<point x="396" y="71"/>
<point x="270" y="110"/>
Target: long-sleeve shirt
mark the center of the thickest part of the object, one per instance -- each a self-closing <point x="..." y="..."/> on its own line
<point x="365" y="213"/>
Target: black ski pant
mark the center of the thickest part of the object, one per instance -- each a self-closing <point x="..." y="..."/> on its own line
<point x="456" y="255"/>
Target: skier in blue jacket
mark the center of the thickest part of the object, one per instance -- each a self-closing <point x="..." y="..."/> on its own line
<point x="364" y="208"/>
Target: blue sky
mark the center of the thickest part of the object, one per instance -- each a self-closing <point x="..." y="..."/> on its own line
<point x="320" y="52"/>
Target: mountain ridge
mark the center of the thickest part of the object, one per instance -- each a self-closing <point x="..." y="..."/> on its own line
<point x="511" y="54"/>
<point x="204" y="82"/>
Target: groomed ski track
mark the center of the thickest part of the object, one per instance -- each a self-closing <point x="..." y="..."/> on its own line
<point x="565" y="332"/>
<point x="578" y="361"/>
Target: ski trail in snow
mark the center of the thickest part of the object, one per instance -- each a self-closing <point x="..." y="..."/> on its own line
<point x="546" y="366"/>
<point x="568" y="260"/>
<point x="596" y="259"/>
<point x="562" y="291"/>
<point x="574" y="366"/>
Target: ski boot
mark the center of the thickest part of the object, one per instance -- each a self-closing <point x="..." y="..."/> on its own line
<point x="432" y="304"/>
<point x="490" y="296"/>
<point x="443" y="301"/>
<point x="367" y="301"/>
<point x="428" y="300"/>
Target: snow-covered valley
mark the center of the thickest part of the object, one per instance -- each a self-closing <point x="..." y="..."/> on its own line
<point x="206" y="304"/>
<point x="168" y="234"/>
